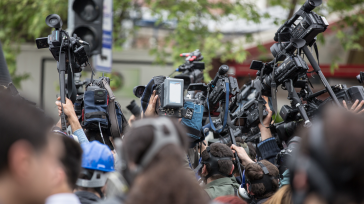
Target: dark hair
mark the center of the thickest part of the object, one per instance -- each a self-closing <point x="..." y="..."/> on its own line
<point x="254" y="172"/>
<point x="164" y="180"/>
<point x="343" y="143"/>
<point x="21" y="121"/>
<point x="219" y="150"/>
<point x="71" y="160"/>
<point x="252" y="151"/>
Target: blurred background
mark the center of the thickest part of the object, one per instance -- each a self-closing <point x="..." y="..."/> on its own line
<point x="134" y="40"/>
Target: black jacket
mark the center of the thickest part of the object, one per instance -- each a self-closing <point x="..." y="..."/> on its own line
<point x="87" y="197"/>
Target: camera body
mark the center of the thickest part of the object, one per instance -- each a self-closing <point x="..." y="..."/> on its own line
<point x="134" y="108"/>
<point x="73" y="46"/>
<point x="250" y="115"/>
<point x="192" y="69"/>
<point x="307" y="29"/>
<point x="283" y="157"/>
<point x="350" y="95"/>
<point x="170" y="93"/>
<point x="291" y="68"/>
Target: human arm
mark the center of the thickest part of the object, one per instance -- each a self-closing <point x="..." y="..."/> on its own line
<point x="268" y="147"/>
<point x="243" y="156"/>
<point x="264" y="130"/>
<point x="72" y="119"/>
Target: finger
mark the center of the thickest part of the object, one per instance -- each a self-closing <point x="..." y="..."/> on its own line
<point x="58" y="103"/>
<point x="359" y="106"/>
<point x="155" y="101"/>
<point x="59" y="98"/>
<point x="362" y="111"/>
<point x="354" y="105"/>
<point x="152" y="97"/>
<point x="344" y="103"/>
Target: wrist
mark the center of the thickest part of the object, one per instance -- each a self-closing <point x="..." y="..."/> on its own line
<point x="265" y="133"/>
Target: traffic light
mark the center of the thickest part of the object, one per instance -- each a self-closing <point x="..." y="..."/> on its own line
<point x="88" y="23"/>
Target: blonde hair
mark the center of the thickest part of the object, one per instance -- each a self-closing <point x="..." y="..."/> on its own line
<point x="283" y="195"/>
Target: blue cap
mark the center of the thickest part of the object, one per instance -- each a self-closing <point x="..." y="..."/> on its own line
<point x="97" y="156"/>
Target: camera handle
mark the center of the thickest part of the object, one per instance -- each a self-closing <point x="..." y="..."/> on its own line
<point x="317" y="69"/>
<point x="62" y="72"/>
<point x="233" y="141"/>
<point x="296" y="102"/>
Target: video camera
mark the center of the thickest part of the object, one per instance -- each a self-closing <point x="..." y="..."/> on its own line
<point x="59" y="41"/>
<point x="70" y="54"/>
<point x="170" y="93"/>
<point x="192" y="69"/>
<point x="217" y="90"/>
<point x="134" y="109"/>
<point x="307" y="29"/>
<point x="284" y="156"/>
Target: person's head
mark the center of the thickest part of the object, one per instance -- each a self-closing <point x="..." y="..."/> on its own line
<point x="154" y="150"/>
<point x="70" y="164"/>
<point x="28" y="155"/>
<point x="283" y="195"/>
<point x="217" y="162"/>
<point x="328" y="168"/>
<point x="262" y="179"/>
<point x="97" y="161"/>
<point x="230" y="200"/>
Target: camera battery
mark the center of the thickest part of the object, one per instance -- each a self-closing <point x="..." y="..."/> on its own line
<point x="100" y="96"/>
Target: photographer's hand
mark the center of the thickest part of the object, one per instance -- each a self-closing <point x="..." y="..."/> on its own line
<point x="355" y="108"/>
<point x="131" y="120"/>
<point x="150" y="112"/>
<point x="265" y="132"/>
<point x="69" y="111"/>
<point x="243" y="156"/>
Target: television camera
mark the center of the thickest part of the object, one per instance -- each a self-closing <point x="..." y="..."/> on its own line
<point x="70" y="54"/>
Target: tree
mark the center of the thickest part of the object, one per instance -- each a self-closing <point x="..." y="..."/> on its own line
<point x="351" y="15"/>
<point x="24" y="20"/>
<point x="191" y="31"/>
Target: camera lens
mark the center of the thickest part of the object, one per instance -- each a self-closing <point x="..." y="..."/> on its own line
<point x="53" y="21"/>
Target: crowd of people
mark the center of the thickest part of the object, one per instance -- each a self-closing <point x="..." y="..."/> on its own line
<point x="150" y="163"/>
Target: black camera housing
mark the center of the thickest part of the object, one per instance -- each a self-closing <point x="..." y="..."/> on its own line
<point x="164" y="106"/>
<point x="134" y="108"/>
<point x="307" y="29"/>
<point x="74" y="47"/>
<point x="250" y="115"/>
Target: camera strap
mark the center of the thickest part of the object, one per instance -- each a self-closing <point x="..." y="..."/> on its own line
<point x="226" y="111"/>
<point x="71" y="87"/>
<point x="114" y="127"/>
<point x="261" y="101"/>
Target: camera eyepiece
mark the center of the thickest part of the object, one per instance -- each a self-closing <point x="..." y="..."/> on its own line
<point x="138" y="91"/>
<point x="54" y="21"/>
<point x="223" y="69"/>
<point x="360" y="77"/>
<point x="309" y="5"/>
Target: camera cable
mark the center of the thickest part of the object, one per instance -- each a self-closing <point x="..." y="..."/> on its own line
<point x="102" y="136"/>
